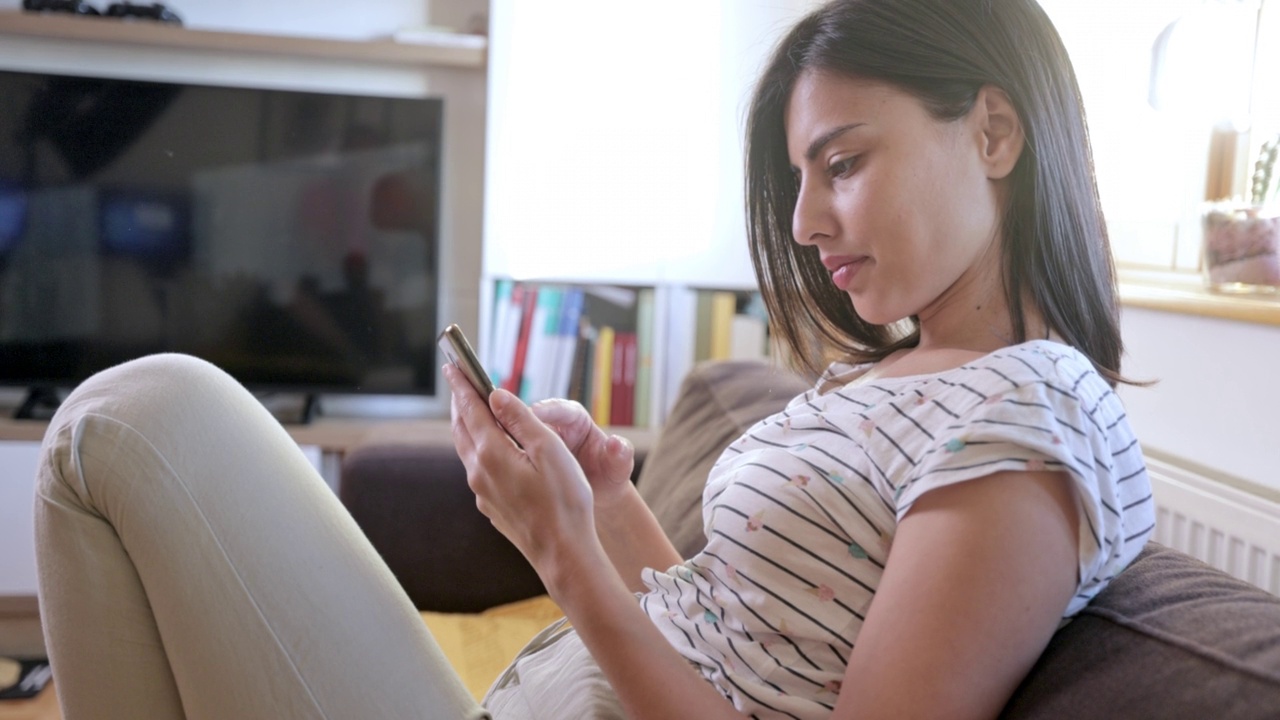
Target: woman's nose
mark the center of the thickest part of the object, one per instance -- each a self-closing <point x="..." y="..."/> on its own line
<point x="811" y="220"/>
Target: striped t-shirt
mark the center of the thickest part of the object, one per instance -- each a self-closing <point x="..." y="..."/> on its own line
<point x="800" y="512"/>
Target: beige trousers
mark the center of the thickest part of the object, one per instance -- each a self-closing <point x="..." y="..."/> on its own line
<point x="192" y="564"/>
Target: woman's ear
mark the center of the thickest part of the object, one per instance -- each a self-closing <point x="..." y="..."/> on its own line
<point x="1001" y="139"/>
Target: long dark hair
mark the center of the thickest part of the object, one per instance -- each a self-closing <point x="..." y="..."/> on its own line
<point x="1054" y="238"/>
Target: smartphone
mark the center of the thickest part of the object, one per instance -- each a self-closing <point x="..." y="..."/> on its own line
<point x="455" y="347"/>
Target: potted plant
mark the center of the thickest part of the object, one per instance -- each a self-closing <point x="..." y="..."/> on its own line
<point x="1242" y="239"/>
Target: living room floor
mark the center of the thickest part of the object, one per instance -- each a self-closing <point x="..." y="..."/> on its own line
<point x="42" y="707"/>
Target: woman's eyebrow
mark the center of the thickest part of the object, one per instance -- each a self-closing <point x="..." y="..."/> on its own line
<point x="816" y="146"/>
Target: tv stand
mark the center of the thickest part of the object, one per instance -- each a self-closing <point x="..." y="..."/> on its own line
<point x="310" y="409"/>
<point x="292" y="408"/>
<point x="42" y="400"/>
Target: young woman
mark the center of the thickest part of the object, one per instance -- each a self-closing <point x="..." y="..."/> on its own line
<point x="902" y="541"/>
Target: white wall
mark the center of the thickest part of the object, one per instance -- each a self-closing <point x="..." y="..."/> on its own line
<point x="615" y="155"/>
<point x="317" y="18"/>
<point x="1218" y="394"/>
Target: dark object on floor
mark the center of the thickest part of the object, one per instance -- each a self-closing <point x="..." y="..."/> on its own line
<point x="33" y="676"/>
<point x="74" y="7"/>
<point x="128" y="10"/>
<point x="153" y="11"/>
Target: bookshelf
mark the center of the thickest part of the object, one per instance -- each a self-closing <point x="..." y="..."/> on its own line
<point x="620" y="350"/>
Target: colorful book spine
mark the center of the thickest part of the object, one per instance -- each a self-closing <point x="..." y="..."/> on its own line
<point x="529" y="300"/>
<point x="723" y="307"/>
<point x="602" y="377"/>
<point x="625" y="394"/>
<point x="583" y="357"/>
<point x="566" y="342"/>
<point x="506" y="331"/>
<point x="535" y="384"/>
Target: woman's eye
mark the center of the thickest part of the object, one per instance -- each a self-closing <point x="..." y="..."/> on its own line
<point x="840" y="168"/>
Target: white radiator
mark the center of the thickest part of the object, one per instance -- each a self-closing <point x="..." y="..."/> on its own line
<point x="1232" y="529"/>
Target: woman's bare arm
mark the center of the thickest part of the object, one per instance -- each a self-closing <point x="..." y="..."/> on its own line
<point x="976" y="582"/>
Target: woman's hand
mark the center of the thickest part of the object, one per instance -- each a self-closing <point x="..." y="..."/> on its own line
<point x="535" y="493"/>
<point x="607" y="460"/>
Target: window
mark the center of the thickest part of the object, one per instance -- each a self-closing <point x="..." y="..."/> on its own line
<point x="1155" y="166"/>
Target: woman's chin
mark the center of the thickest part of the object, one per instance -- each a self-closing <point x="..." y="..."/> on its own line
<point x="878" y="314"/>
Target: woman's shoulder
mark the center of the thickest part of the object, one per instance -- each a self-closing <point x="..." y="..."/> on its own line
<point x="1041" y="361"/>
<point x="1050" y="372"/>
<point x="1031" y="362"/>
<point x="1038" y="375"/>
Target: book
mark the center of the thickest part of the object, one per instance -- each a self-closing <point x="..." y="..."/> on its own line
<point x="702" y="326"/>
<point x="602" y="376"/>
<point x="642" y="398"/>
<point x="490" y="355"/>
<point x="535" y="383"/>
<point x="623" y="382"/>
<point x="628" y="388"/>
<point x="566" y="342"/>
<point x="583" y="357"/>
<point x="508" y="306"/>
<point x="723" y="306"/>
<point x="511" y="383"/>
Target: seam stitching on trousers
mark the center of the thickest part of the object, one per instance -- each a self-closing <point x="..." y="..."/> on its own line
<point x="234" y="570"/>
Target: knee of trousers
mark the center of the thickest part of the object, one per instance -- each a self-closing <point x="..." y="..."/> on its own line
<point x="148" y="390"/>
<point x="156" y="391"/>
<point x="158" y="396"/>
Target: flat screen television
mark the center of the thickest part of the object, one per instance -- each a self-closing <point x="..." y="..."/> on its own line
<point x="288" y="237"/>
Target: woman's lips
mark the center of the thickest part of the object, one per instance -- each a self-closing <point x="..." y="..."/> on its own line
<point x="843" y="271"/>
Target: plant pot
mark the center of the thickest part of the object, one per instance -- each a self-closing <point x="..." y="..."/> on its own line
<point x="1242" y="248"/>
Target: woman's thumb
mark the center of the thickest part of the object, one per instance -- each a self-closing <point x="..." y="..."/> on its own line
<point x="620" y="454"/>
<point x="516" y="417"/>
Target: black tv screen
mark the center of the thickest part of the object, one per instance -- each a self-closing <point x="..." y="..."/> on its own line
<point x="288" y="237"/>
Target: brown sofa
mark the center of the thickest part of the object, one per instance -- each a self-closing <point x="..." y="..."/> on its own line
<point x="1170" y="638"/>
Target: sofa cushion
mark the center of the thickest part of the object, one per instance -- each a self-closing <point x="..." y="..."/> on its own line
<point x="1170" y="638"/>
<point x="407" y="490"/>
<point x="718" y="401"/>
<point x="413" y="503"/>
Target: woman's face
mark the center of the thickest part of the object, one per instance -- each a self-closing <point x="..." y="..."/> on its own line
<point x="900" y="206"/>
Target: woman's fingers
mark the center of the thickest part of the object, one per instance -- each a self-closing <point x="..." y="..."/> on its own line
<point x="465" y="398"/>
<point x="520" y="422"/>
<point x="471" y="410"/>
<point x="569" y="419"/>
<point x="619" y="450"/>
<point x="461" y="438"/>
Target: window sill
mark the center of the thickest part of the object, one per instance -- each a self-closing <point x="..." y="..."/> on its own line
<point x="1182" y="292"/>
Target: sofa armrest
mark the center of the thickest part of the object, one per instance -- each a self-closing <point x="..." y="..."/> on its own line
<point x="1170" y="637"/>
<point x="410" y="497"/>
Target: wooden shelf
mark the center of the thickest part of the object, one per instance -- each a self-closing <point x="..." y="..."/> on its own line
<point x="465" y="51"/>
<point x="339" y="435"/>
<point x="22" y="430"/>
<point x="1186" y="293"/>
<point x="331" y="434"/>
